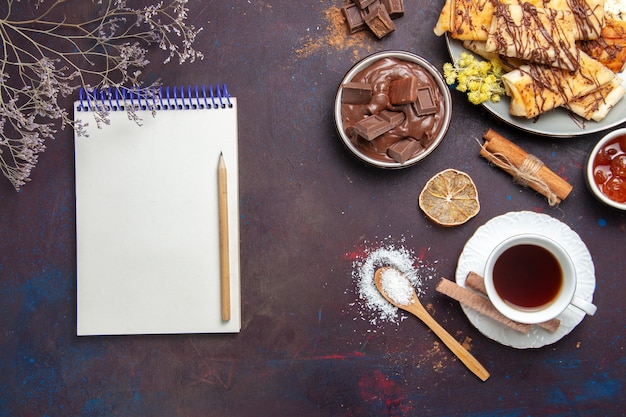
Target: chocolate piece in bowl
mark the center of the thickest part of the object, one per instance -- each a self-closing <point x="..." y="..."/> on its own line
<point x="382" y="144"/>
<point x="394" y="118"/>
<point x="407" y="116"/>
<point x="404" y="90"/>
<point x="401" y="151"/>
<point x="356" y="93"/>
<point x="371" y="127"/>
<point x="425" y="102"/>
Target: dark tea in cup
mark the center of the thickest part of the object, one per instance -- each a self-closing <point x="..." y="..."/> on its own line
<point x="530" y="278"/>
<point x="527" y="276"/>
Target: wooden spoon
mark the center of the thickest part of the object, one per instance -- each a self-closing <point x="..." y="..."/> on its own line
<point x="415" y="307"/>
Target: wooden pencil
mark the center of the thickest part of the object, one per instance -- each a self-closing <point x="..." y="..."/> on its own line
<point x="224" y="247"/>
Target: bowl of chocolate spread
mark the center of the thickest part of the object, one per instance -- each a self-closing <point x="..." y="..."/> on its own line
<point x="392" y="109"/>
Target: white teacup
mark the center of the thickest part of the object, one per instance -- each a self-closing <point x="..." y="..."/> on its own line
<point x="531" y="279"/>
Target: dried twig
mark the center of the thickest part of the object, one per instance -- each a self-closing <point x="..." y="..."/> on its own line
<point x="47" y="56"/>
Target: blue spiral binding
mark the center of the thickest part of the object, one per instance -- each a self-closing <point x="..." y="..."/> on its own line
<point x="174" y="98"/>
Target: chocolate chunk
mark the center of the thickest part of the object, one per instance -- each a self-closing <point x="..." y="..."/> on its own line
<point x="378" y="20"/>
<point x="372" y="127"/>
<point x="403" y="150"/>
<point x="362" y="4"/>
<point x="380" y="102"/>
<point x="353" y="18"/>
<point x="395" y="8"/>
<point x="370" y="7"/>
<point x="394" y="118"/>
<point x="373" y="14"/>
<point x="403" y="90"/>
<point x="382" y="143"/>
<point x="425" y="103"/>
<point x="356" y="93"/>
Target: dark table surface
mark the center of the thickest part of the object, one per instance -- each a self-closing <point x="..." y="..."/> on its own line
<point x="309" y="209"/>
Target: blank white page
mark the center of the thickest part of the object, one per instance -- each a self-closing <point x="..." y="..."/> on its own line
<point x="147" y="222"/>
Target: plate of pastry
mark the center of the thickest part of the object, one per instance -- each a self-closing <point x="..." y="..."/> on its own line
<point x="576" y="91"/>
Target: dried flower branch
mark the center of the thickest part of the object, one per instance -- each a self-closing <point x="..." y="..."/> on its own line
<point x="47" y="56"/>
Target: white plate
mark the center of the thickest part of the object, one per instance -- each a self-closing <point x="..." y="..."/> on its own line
<point x="558" y="122"/>
<point x="485" y="239"/>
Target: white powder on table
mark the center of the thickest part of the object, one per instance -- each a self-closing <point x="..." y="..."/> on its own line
<point x="375" y="308"/>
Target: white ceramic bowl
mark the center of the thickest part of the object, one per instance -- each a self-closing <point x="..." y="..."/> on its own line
<point x="591" y="184"/>
<point x="440" y="83"/>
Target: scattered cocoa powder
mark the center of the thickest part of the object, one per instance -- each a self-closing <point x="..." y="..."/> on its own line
<point x="337" y="36"/>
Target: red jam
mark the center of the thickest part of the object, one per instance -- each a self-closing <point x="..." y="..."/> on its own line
<point x="609" y="169"/>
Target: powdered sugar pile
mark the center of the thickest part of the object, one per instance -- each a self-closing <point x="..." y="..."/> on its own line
<point x="373" y="306"/>
<point x="396" y="286"/>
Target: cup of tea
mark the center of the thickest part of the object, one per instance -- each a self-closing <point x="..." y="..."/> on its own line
<point x="530" y="278"/>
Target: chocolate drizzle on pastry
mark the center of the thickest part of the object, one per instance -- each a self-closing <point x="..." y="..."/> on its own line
<point x="538" y="35"/>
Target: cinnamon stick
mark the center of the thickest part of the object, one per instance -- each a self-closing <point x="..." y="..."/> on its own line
<point x="513" y="160"/>
<point x="476" y="282"/>
<point x="479" y="303"/>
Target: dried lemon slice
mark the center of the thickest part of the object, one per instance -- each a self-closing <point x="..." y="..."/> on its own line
<point x="450" y="198"/>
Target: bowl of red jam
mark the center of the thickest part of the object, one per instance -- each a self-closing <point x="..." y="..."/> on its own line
<point x="606" y="169"/>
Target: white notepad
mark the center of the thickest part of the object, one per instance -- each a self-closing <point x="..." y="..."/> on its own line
<point x="147" y="218"/>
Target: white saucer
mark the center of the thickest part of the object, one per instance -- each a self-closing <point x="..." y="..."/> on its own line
<point x="485" y="239"/>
